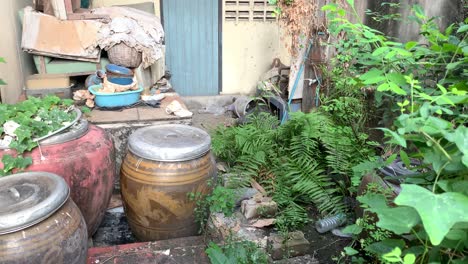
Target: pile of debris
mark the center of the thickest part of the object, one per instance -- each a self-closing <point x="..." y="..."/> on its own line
<point x="132" y="38"/>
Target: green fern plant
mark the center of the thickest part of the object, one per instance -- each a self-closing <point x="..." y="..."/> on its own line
<point x="294" y="162"/>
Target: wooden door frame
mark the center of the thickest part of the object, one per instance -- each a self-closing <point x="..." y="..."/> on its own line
<point x="220" y="39"/>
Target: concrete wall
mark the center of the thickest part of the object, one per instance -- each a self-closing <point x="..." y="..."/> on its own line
<point x="19" y="64"/>
<point x="248" y="52"/>
<point x="446" y="11"/>
<point x="251" y="39"/>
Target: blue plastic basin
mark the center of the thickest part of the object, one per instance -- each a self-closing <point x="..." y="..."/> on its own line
<point x="120" y="80"/>
<point x="117" y="70"/>
<point x="114" y="99"/>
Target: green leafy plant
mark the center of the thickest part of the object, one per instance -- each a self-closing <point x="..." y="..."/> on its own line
<point x="2" y="82"/>
<point x="426" y="89"/>
<point x="34" y="118"/>
<point x="234" y="252"/>
<point x="221" y="200"/>
<point x="294" y="162"/>
<point x="391" y="14"/>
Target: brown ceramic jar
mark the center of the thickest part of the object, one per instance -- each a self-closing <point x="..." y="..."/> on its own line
<point x="162" y="166"/>
<point x="39" y="223"/>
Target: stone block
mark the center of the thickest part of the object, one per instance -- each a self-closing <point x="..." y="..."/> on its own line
<point x="258" y="207"/>
<point x="293" y="245"/>
<point x="221" y="227"/>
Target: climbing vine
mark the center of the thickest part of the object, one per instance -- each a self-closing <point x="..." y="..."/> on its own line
<point x="301" y="19"/>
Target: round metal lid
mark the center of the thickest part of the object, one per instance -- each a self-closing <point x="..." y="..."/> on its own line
<point x="28" y="198"/>
<point x="74" y="132"/>
<point x="169" y="142"/>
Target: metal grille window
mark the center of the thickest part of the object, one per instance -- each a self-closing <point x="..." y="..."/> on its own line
<point x="248" y="10"/>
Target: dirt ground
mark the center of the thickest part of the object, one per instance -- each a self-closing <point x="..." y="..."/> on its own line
<point x="324" y="246"/>
<point x="209" y="122"/>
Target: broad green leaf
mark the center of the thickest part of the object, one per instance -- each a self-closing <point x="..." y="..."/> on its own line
<point x="391" y="54"/>
<point x="369" y="35"/>
<point x="2" y="82"/>
<point x="393" y="256"/>
<point x="380" y="50"/>
<point x="383" y="87"/>
<point x="460" y="138"/>
<point x="410" y="45"/>
<point x="456" y="234"/>
<point x="2" y="60"/>
<point x="442" y="89"/>
<point x="435" y="125"/>
<point x="415" y="250"/>
<point x="352" y="229"/>
<point x="396" y="78"/>
<point x="22" y="162"/>
<point x="409" y="259"/>
<point x="462" y="29"/>
<point x="391" y="159"/>
<point x="403" y="52"/>
<point x="395" y="137"/>
<point x="385" y="246"/>
<point x="350" y="251"/>
<point x="396" y="89"/>
<point x="329" y="7"/>
<point x="390" y="86"/>
<point x="404" y="157"/>
<point x="465" y="160"/>
<point x="454" y="65"/>
<point x="454" y="185"/>
<point x="341" y="12"/>
<point x="399" y="220"/>
<point x="465" y="50"/>
<point x="425" y="96"/>
<point x="351" y="3"/>
<point x="438" y="212"/>
<point x="371" y="75"/>
<point x="215" y="253"/>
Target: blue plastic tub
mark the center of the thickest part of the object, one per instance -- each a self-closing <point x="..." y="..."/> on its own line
<point x="114" y="99"/>
<point x="118" y="71"/>
<point x="120" y="80"/>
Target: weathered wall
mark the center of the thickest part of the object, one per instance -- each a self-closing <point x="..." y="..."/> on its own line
<point x="251" y="39"/>
<point x="248" y="52"/>
<point x="19" y="64"/>
<point x="101" y="3"/>
<point x="447" y="11"/>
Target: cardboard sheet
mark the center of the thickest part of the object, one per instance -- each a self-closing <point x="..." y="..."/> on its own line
<point x="68" y="39"/>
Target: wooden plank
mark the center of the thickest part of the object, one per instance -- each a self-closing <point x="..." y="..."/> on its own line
<point x="34" y="82"/>
<point x="85" y="16"/>
<point x="77" y="40"/>
<point x="59" y="9"/>
<point x="42" y="65"/>
<point x="68" y="6"/>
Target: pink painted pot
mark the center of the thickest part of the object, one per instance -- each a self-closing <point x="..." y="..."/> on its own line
<point x="84" y="156"/>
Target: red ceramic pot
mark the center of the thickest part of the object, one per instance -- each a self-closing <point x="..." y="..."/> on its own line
<point x="84" y="156"/>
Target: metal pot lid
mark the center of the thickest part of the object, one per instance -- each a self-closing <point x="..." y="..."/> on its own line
<point x="169" y="142"/>
<point x="74" y="132"/>
<point x="28" y="198"/>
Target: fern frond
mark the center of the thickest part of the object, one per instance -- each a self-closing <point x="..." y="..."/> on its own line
<point x="311" y="184"/>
